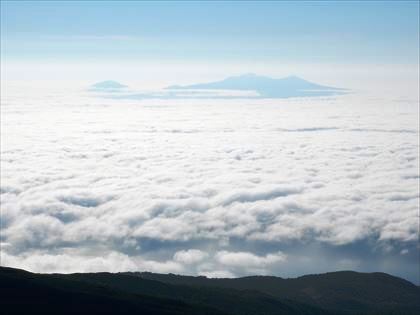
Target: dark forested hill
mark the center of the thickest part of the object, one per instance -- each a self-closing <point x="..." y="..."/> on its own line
<point x="22" y="292"/>
<point x="344" y="290"/>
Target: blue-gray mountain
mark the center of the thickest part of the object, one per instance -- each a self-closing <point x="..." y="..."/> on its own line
<point x="266" y="87"/>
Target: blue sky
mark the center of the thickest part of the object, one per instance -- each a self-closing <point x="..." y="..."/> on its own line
<point x="342" y="32"/>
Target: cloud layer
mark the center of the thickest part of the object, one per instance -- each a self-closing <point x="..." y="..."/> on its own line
<point x="212" y="187"/>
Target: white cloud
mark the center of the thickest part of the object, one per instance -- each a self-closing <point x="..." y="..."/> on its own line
<point x="218" y="274"/>
<point x="74" y="262"/>
<point x="190" y="256"/>
<point x="159" y="184"/>
<point x="248" y="260"/>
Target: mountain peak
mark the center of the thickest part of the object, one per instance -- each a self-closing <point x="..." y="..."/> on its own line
<point x="248" y="75"/>
<point x="291" y="86"/>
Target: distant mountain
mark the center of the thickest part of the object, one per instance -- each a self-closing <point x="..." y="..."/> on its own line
<point x="343" y="293"/>
<point x="291" y="86"/>
<point x="108" y="85"/>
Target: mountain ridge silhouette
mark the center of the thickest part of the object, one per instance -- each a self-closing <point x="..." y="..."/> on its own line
<point x="339" y="293"/>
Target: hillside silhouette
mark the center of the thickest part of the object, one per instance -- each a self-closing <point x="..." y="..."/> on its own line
<point x="343" y="293"/>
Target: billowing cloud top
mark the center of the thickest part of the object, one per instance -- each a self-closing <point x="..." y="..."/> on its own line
<point x="217" y="187"/>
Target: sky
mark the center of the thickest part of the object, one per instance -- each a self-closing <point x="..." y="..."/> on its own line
<point x="106" y="181"/>
<point x="349" y="32"/>
<point x="167" y="41"/>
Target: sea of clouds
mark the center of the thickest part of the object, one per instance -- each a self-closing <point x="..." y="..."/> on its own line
<point x="220" y="188"/>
